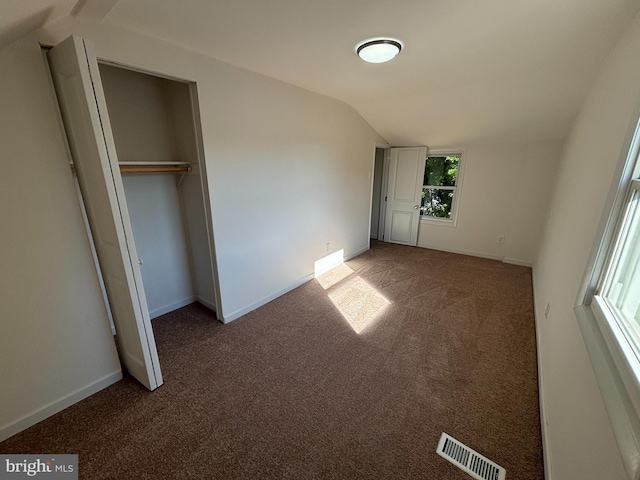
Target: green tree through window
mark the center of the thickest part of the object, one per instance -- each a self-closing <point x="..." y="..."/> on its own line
<point x="439" y="186"/>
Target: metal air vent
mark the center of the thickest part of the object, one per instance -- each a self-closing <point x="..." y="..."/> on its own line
<point x="469" y="460"/>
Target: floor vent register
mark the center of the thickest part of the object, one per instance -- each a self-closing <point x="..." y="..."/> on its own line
<point x="469" y="460"/>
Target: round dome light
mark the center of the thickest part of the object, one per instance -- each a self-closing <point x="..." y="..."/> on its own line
<point x="379" y="51"/>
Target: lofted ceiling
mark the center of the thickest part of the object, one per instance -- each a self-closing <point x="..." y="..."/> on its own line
<point x="470" y="71"/>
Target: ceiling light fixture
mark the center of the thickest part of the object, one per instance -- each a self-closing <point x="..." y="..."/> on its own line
<point x="379" y="50"/>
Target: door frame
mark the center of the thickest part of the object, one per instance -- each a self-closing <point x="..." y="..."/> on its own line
<point x="202" y="167"/>
<point x="383" y="193"/>
<point x="383" y="190"/>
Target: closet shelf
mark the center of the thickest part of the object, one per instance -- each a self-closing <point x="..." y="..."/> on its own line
<point x="152" y="167"/>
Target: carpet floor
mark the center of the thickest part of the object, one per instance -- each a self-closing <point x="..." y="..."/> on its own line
<point x="354" y="375"/>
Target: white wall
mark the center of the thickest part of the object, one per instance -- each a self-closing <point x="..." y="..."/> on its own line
<point x="288" y="171"/>
<point x="140" y="118"/>
<point x="579" y="441"/>
<point x="505" y="192"/>
<point x="56" y="345"/>
<point x="529" y="203"/>
<point x="158" y="229"/>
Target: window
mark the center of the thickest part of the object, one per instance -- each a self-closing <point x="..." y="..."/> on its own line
<point x="620" y="290"/>
<point x="440" y="186"/>
<point x="609" y="312"/>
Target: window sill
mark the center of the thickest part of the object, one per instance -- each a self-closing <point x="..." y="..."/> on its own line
<point x="618" y="384"/>
<point x="443" y="222"/>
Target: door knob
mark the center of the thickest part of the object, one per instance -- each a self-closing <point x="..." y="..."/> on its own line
<point x="416" y="206"/>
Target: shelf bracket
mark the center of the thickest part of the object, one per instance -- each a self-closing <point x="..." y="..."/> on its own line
<point x="181" y="179"/>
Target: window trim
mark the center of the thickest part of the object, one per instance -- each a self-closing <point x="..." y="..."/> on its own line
<point x="453" y="221"/>
<point x="613" y="358"/>
<point x="623" y="353"/>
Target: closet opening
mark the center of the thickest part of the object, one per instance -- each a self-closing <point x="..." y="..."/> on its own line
<point x="379" y="192"/>
<point x="156" y="131"/>
<point x="135" y="143"/>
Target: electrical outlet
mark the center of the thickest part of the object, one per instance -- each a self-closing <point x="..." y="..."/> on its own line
<point x="546" y="310"/>
<point x="501" y="239"/>
<point x="327" y="246"/>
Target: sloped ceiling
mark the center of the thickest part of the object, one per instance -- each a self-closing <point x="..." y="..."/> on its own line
<point x="490" y="70"/>
<point x="19" y="17"/>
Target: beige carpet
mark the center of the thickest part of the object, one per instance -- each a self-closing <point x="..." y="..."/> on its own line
<point x="351" y="376"/>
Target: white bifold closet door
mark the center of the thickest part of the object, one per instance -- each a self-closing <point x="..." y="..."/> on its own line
<point x="76" y="78"/>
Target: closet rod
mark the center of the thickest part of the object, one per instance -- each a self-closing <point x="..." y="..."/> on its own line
<point x="150" y="168"/>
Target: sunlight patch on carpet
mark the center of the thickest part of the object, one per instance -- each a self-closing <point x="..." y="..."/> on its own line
<point x="336" y="274"/>
<point x="359" y="303"/>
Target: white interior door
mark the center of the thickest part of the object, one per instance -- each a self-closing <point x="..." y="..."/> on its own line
<point x="77" y="82"/>
<point x="404" y="194"/>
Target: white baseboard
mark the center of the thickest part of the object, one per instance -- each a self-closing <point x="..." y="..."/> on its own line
<point x="512" y="261"/>
<point x="355" y="254"/>
<point x="463" y="252"/>
<point x="206" y="303"/>
<point x="171" y="307"/>
<point x="243" y="311"/>
<point x="515" y="261"/>
<point x="546" y="452"/>
<point x="58" y="405"/>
